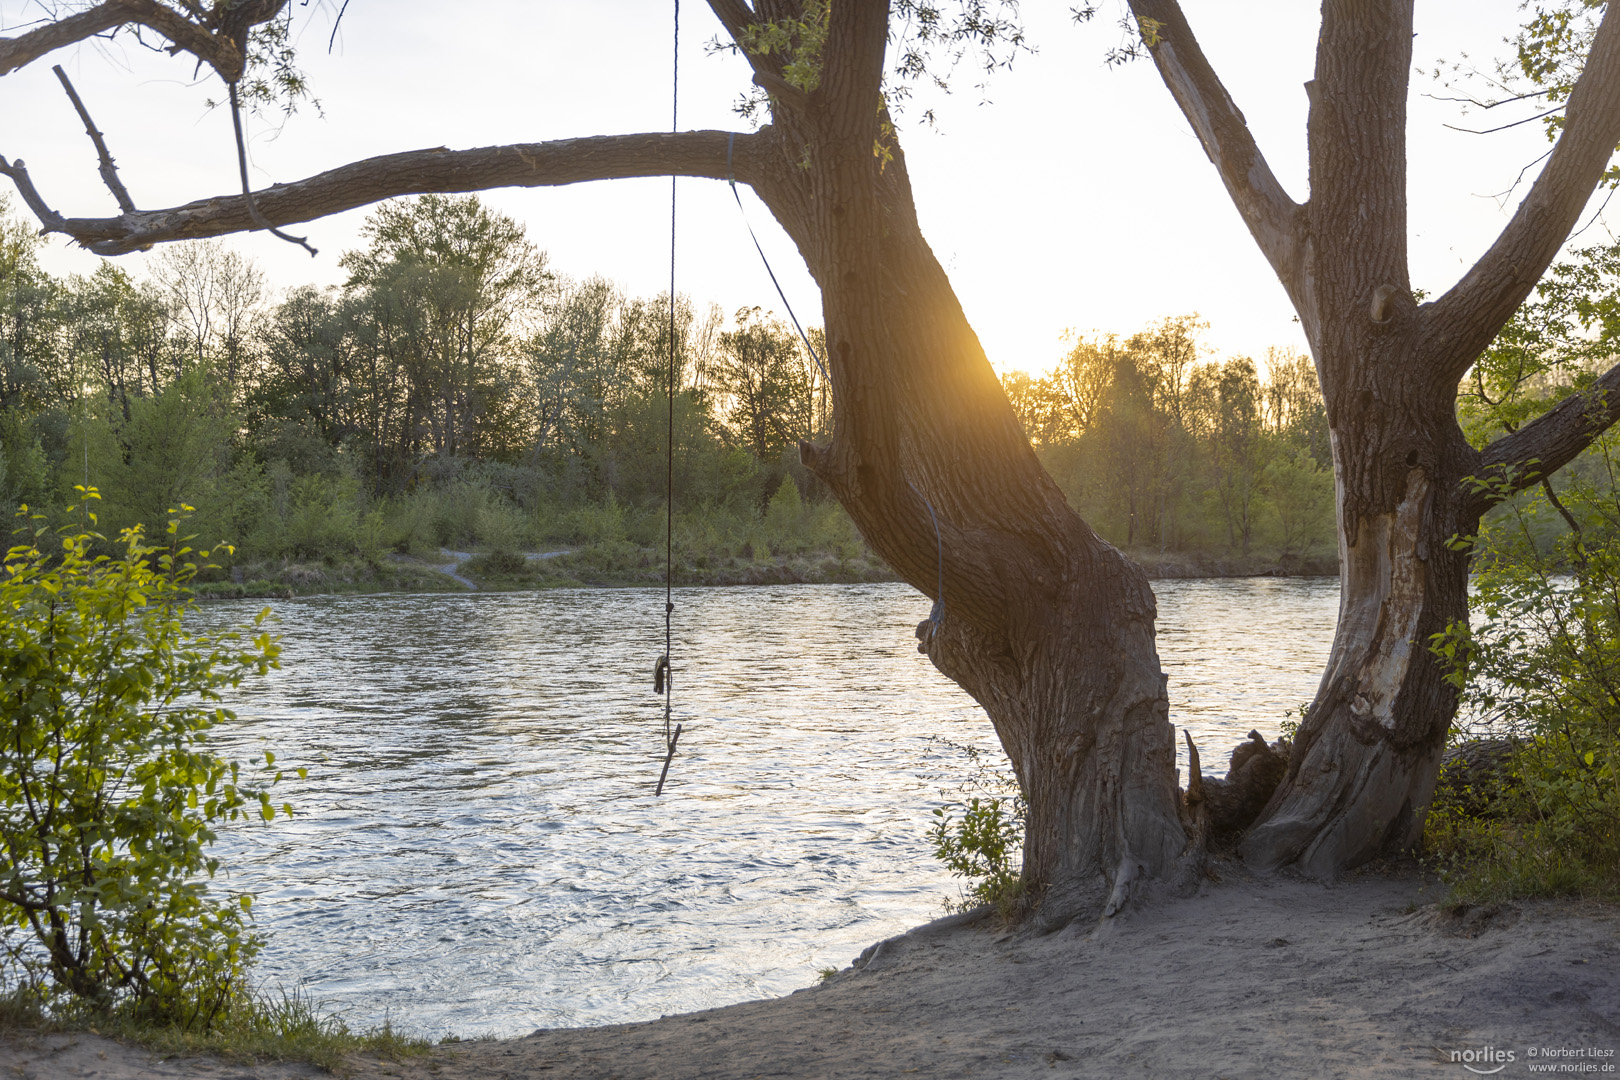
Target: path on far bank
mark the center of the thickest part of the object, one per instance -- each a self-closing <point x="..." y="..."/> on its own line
<point x="1250" y="978"/>
<point x="452" y="569"/>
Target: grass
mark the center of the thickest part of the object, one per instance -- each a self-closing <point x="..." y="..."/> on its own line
<point x="624" y="564"/>
<point x="280" y="579"/>
<point x="263" y="1027"/>
<point x="1505" y="839"/>
<point x="1485" y="861"/>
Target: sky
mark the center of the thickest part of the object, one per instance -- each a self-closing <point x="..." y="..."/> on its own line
<point x="1062" y="194"/>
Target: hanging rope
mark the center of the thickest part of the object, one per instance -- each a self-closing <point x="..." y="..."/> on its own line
<point x="731" y="178"/>
<point x="663" y="675"/>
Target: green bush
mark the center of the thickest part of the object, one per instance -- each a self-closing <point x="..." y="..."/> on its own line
<point x="982" y="838"/>
<point x="109" y="793"/>
<point x="982" y="845"/>
<point x="1541" y="665"/>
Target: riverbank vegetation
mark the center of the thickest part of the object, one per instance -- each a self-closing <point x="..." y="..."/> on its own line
<point x="1529" y="804"/>
<point x="459" y="395"/>
<point x="111" y="916"/>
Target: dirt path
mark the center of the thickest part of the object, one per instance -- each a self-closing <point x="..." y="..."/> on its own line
<point x="452" y="569"/>
<point x="1272" y="978"/>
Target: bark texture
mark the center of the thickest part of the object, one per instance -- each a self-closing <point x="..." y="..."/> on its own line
<point x="216" y="35"/>
<point x="1364" y="765"/>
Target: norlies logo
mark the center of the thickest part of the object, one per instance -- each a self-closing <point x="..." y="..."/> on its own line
<point x="1485" y="1061"/>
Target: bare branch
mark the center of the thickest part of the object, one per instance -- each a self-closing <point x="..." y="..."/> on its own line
<point x="1462" y="322"/>
<point x="337" y="24"/>
<point x="548" y="164"/>
<point x="1272" y="217"/>
<point x="1551" y="441"/>
<point x="109" y="171"/>
<point x="247" y="188"/>
<point x="49" y="220"/>
<point x="1489" y="104"/>
<point x="1504" y="127"/>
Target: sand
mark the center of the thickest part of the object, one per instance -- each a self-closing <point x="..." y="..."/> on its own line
<point x="1248" y="978"/>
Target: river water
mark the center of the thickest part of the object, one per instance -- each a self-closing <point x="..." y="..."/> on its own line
<point x="477" y="849"/>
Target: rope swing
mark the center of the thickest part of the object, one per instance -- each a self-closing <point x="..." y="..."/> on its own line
<point x="663" y="674"/>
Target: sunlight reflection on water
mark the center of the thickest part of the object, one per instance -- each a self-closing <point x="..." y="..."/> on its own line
<point x="477" y="849"/>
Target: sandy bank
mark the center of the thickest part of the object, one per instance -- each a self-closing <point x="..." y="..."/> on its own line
<point x="1250" y="978"/>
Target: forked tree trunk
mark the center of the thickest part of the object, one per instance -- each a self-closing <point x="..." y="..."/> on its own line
<point x="1047" y="626"/>
<point x="1364" y="766"/>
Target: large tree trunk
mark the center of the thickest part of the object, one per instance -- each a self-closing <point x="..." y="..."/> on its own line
<point x="1364" y="767"/>
<point x="1045" y="624"/>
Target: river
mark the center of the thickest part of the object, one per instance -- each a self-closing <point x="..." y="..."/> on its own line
<point x="477" y="849"/>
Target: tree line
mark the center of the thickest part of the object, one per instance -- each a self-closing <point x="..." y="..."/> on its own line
<point x="1164" y="449"/>
<point x="457" y="390"/>
<point x="452" y="359"/>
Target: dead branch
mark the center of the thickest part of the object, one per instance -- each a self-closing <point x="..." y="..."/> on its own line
<point x="247" y="188"/>
<point x="1272" y="217"/>
<point x="109" y="171"/>
<point x="49" y="220"/>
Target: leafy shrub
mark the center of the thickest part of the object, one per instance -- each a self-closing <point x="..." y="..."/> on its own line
<point x="109" y="794"/>
<point x="982" y="838"/>
<point x="982" y="845"/>
<point x="784" y="518"/>
<point x="1541" y="666"/>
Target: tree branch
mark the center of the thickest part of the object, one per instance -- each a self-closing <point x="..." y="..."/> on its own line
<point x="1551" y="441"/>
<point x="1463" y="321"/>
<point x="18" y="52"/>
<point x="852" y="64"/>
<point x="223" y="54"/>
<point x="247" y="188"/>
<point x="1272" y="217"/>
<point x="109" y="171"/>
<point x="735" y="16"/>
<point x="49" y="220"/>
<point x="548" y="164"/>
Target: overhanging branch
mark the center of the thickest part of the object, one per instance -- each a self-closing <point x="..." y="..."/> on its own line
<point x="18" y="52"/>
<point x="1462" y="323"/>
<point x="1551" y="441"/>
<point x="1272" y="217"/>
<point x="222" y="52"/>
<point x="417" y="172"/>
